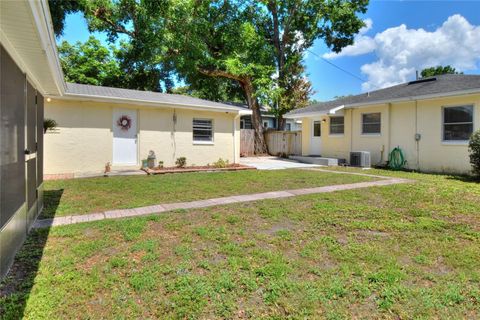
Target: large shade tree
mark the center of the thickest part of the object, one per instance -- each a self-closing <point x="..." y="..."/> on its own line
<point x="292" y="27"/>
<point x="246" y="48"/>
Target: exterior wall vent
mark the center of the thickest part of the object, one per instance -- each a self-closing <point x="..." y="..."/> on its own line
<point x="422" y="80"/>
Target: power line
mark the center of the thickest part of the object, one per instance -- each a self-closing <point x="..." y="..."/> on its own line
<point x="339" y="68"/>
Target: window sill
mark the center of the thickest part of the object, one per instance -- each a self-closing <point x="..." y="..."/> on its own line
<point x="208" y="143"/>
<point x="336" y="135"/>
<point x="455" y="142"/>
<point x="373" y="135"/>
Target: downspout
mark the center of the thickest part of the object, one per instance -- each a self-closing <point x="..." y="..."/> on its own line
<point x="351" y="130"/>
<point x="235" y="137"/>
<point x="417" y="136"/>
<point x="389" y="137"/>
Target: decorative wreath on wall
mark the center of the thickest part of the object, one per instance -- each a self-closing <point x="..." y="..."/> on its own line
<point x="124" y="122"/>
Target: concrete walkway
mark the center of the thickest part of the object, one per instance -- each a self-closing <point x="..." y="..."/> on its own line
<point x="123" y="213"/>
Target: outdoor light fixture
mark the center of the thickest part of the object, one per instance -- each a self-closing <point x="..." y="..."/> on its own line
<point x="324" y="120"/>
<point x="48" y="99"/>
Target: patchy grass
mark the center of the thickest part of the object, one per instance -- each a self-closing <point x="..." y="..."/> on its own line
<point x="79" y="196"/>
<point x="400" y="251"/>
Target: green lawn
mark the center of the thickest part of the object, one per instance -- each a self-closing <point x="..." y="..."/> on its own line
<point x="79" y="196"/>
<point x="400" y="251"/>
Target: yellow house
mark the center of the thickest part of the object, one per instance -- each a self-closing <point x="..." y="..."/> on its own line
<point x="100" y="125"/>
<point x="430" y="119"/>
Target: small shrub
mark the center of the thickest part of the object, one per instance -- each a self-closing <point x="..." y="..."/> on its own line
<point x="220" y="163"/>
<point x="181" y="162"/>
<point x="160" y="164"/>
<point x="474" y="150"/>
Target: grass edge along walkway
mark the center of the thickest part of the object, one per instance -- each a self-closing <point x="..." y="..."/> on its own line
<point x="161" y="208"/>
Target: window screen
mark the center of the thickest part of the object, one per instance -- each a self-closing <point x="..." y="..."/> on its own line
<point x="203" y="130"/>
<point x="371" y="123"/>
<point x="457" y="123"/>
<point x="337" y="125"/>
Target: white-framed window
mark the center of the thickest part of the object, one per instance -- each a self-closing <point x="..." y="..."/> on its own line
<point x="317" y="128"/>
<point x="202" y="130"/>
<point x="371" y="123"/>
<point x="457" y="123"/>
<point x="288" y="127"/>
<point x="337" y="125"/>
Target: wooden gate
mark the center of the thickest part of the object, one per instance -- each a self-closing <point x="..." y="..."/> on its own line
<point x="284" y="142"/>
<point x="247" y="142"/>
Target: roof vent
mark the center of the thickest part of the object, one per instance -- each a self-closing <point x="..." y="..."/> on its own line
<point x="423" y="80"/>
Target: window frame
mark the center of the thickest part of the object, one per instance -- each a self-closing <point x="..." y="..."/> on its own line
<point x="371" y="133"/>
<point x="330" y="133"/>
<point x="462" y="142"/>
<point x="212" y="131"/>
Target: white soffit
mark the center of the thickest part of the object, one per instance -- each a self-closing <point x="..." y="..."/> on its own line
<point x="27" y="35"/>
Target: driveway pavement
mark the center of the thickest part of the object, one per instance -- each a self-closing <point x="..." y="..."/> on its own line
<point x="274" y="163"/>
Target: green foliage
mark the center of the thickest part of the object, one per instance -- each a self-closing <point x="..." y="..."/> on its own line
<point x="49" y="125"/>
<point x="439" y="70"/>
<point x="89" y="63"/>
<point x="59" y="10"/>
<point x="474" y="150"/>
<point x="220" y="163"/>
<point x="181" y="162"/>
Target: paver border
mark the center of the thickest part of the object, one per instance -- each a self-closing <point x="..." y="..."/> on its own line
<point x="165" y="207"/>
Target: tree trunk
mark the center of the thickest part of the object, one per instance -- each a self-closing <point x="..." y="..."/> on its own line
<point x="260" y="145"/>
<point x="281" y="123"/>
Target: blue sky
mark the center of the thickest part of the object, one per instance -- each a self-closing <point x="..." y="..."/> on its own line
<point x="384" y="53"/>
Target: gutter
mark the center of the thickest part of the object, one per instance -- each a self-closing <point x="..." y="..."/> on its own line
<point x="384" y="101"/>
<point x="43" y="23"/>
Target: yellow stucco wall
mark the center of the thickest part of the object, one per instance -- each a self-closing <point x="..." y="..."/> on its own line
<point x="83" y="141"/>
<point x="400" y="122"/>
<point x="434" y="154"/>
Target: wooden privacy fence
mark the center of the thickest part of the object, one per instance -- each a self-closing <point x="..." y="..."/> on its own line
<point x="278" y="142"/>
<point x="284" y="142"/>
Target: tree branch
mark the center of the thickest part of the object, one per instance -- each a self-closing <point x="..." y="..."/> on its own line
<point x="100" y="14"/>
<point x="223" y="74"/>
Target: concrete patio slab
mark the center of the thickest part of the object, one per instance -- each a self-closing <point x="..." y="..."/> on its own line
<point x="274" y="163"/>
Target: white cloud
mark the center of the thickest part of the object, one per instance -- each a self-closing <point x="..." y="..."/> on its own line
<point x="362" y="44"/>
<point x="400" y="51"/>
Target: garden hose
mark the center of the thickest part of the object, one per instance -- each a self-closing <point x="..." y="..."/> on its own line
<point x="396" y="160"/>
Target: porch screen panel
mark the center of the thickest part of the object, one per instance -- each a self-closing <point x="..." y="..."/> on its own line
<point x="31" y="145"/>
<point x="40" y="113"/>
<point x="12" y="137"/>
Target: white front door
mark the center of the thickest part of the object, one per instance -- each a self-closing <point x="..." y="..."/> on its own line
<point x="124" y="137"/>
<point x="316" y="139"/>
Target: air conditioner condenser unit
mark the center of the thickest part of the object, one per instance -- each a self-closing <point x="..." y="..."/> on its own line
<point x="360" y="159"/>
